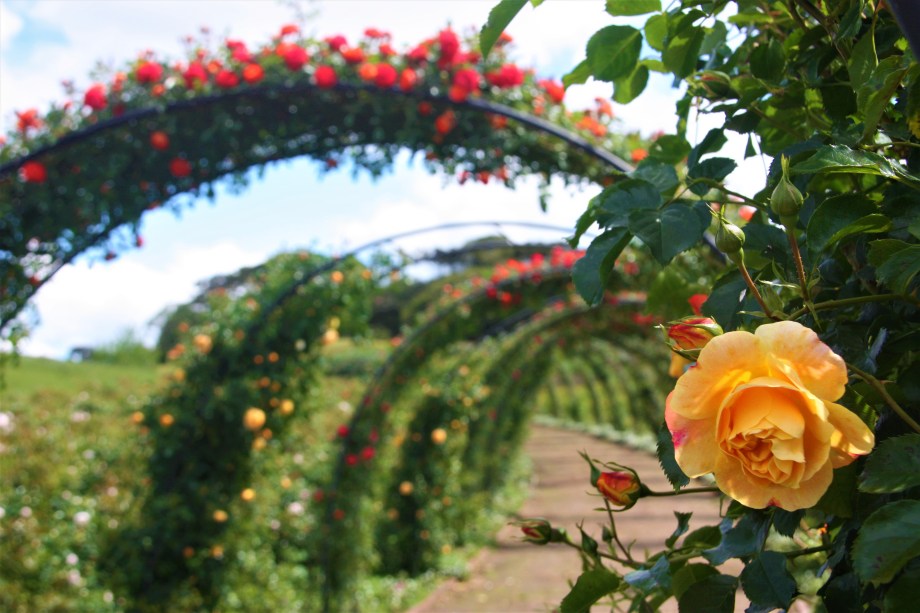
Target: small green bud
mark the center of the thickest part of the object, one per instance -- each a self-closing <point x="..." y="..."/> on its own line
<point x="729" y="238"/>
<point x="786" y="200"/>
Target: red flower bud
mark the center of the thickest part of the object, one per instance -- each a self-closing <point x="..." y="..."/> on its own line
<point x="620" y="488"/>
<point x="537" y="531"/>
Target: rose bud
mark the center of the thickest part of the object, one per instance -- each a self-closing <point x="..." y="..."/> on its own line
<point x="537" y="530"/>
<point x="686" y="337"/>
<point x="620" y="488"/>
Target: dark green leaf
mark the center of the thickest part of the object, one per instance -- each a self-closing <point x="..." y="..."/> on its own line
<point x="712" y="168"/>
<point x="591" y="273"/>
<point x="842" y="594"/>
<point x="787" y="522"/>
<point x="841" y="495"/>
<point x="899" y="270"/>
<point x="839" y="158"/>
<point x="767" y="582"/>
<point x="669" y="465"/>
<point x="585" y="221"/>
<point x="712" y="142"/>
<point x="715" y="594"/>
<point x="768" y="61"/>
<point x="613" y="52"/>
<point x="904" y="594"/>
<point x="667" y="232"/>
<point x="894" y="466"/>
<point x="590" y="587"/>
<point x="628" y="88"/>
<point x="706" y="537"/>
<point x="725" y="299"/>
<point x="624" y="8"/>
<point x="843" y="216"/>
<point x="656" y="29"/>
<point x="577" y="75"/>
<point x="689" y="575"/>
<point x="669" y="149"/>
<point x="683" y="522"/>
<point x="741" y="540"/>
<point x="624" y="197"/>
<point x="682" y="52"/>
<point x="646" y="580"/>
<point x="499" y="18"/>
<point x="888" y="539"/>
<point x="863" y="60"/>
<point x="875" y="96"/>
<point x="661" y="175"/>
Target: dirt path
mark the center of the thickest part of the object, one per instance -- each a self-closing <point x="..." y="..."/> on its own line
<point x="520" y="577"/>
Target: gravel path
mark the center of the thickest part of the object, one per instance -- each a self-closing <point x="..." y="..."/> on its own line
<point x="517" y="577"/>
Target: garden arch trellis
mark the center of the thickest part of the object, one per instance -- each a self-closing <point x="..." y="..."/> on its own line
<point x="158" y="145"/>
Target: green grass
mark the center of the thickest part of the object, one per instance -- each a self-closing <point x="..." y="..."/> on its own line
<point x="27" y="376"/>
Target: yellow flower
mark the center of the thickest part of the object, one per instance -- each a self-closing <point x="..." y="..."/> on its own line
<point x="758" y="412"/>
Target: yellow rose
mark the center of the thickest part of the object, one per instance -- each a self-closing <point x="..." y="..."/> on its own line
<point x="758" y="412"/>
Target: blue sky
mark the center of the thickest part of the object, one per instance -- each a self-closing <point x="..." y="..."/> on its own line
<point x="43" y="42"/>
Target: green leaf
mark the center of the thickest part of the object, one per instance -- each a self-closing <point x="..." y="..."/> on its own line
<point x="896" y="262"/>
<point x="667" y="232"/>
<point x="682" y="52"/>
<point x="585" y="221"/>
<point x="787" y="522"/>
<point x="669" y="149"/>
<point x="646" y="580"/>
<point x="656" y="30"/>
<point x="874" y="97"/>
<point x="628" y="88"/>
<point x="839" y="158"/>
<point x="706" y="537"/>
<point x="725" y="299"/>
<point x="590" y="587"/>
<point x="863" y="60"/>
<point x="499" y="18"/>
<point x="667" y="294"/>
<point x="625" y="8"/>
<point x="843" y="216"/>
<point x="713" y="168"/>
<point x="767" y="582"/>
<point x="683" y="522"/>
<point x="741" y="540"/>
<point x="577" y="75"/>
<point x="592" y="272"/>
<point x="715" y="594"/>
<point x="888" y="539"/>
<point x="841" y="495"/>
<point x="613" y="52"/>
<point x="712" y="142"/>
<point x="893" y="466"/>
<point x="661" y="175"/>
<point x="624" y="197"/>
<point x="689" y="575"/>
<point x="669" y="465"/>
<point x="768" y="60"/>
<point x="904" y="594"/>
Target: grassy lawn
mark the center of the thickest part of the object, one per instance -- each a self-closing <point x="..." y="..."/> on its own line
<point x="28" y="376"/>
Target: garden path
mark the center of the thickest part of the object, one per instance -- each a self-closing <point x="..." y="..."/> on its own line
<point x="514" y="576"/>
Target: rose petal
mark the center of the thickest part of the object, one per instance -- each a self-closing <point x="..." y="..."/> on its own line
<point x="694" y="442"/>
<point x="795" y="348"/>
<point x="759" y="493"/>
<point x="851" y="437"/>
<point x="726" y="362"/>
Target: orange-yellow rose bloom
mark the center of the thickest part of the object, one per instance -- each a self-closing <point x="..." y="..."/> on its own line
<point x="758" y="412"/>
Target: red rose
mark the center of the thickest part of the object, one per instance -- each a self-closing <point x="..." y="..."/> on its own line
<point x="253" y="73"/>
<point x="352" y="55"/>
<point x="27" y="119"/>
<point x="149" y="72"/>
<point x="289" y="28"/>
<point x="33" y="172"/>
<point x="449" y="44"/>
<point x="159" y="140"/>
<point x="238" y="51"/>
<point x="342" y="431"/>
<point x="555" y="90"/>
<point x="638" y="154"/>
<point x="180" y="167"/>
<point x="296" y="57"/>
<point x="336" y="42"/>
<point x="95" y="98"/>
<point x="227" y="79"/>
<point x="375" y="33"/>
<point x="508" y="75"/>
<point x="445" y="122"/>
<point x="407" y="79"/>
<point x="194" y="74"/>
<point x="419" y="54"/>
<point x="386" y="75"/>
<point x="387" y="50"/>
<point x="325" y="76"/>
<point x="467" y="79"/>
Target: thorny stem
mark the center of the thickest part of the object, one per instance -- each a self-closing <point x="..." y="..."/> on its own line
<point x="891" y="402"/>
<point x="753" y="289"/>
<point x="613" y="530"/>
<point x="797" y="258"/>
<point x="601" y="554"/>
<point x="689" y="490"/>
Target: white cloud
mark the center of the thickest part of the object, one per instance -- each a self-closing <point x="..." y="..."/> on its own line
<point x="10" y="25"/>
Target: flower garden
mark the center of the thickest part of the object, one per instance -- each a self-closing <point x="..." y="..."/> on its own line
<point x="765" y="341"/>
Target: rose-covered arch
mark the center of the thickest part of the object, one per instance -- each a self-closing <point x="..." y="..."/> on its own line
<point x="81" y="176"/>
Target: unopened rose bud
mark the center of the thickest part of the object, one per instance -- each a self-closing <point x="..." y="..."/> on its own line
<point x="729" y="239"/>
<point x="537" y="530"/>
<point x="686" y="337"/>
<point x="786" y="200"/>
<point x="620" y="488"/>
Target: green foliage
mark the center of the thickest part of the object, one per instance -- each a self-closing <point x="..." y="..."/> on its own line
<point x="126" y="349"/>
